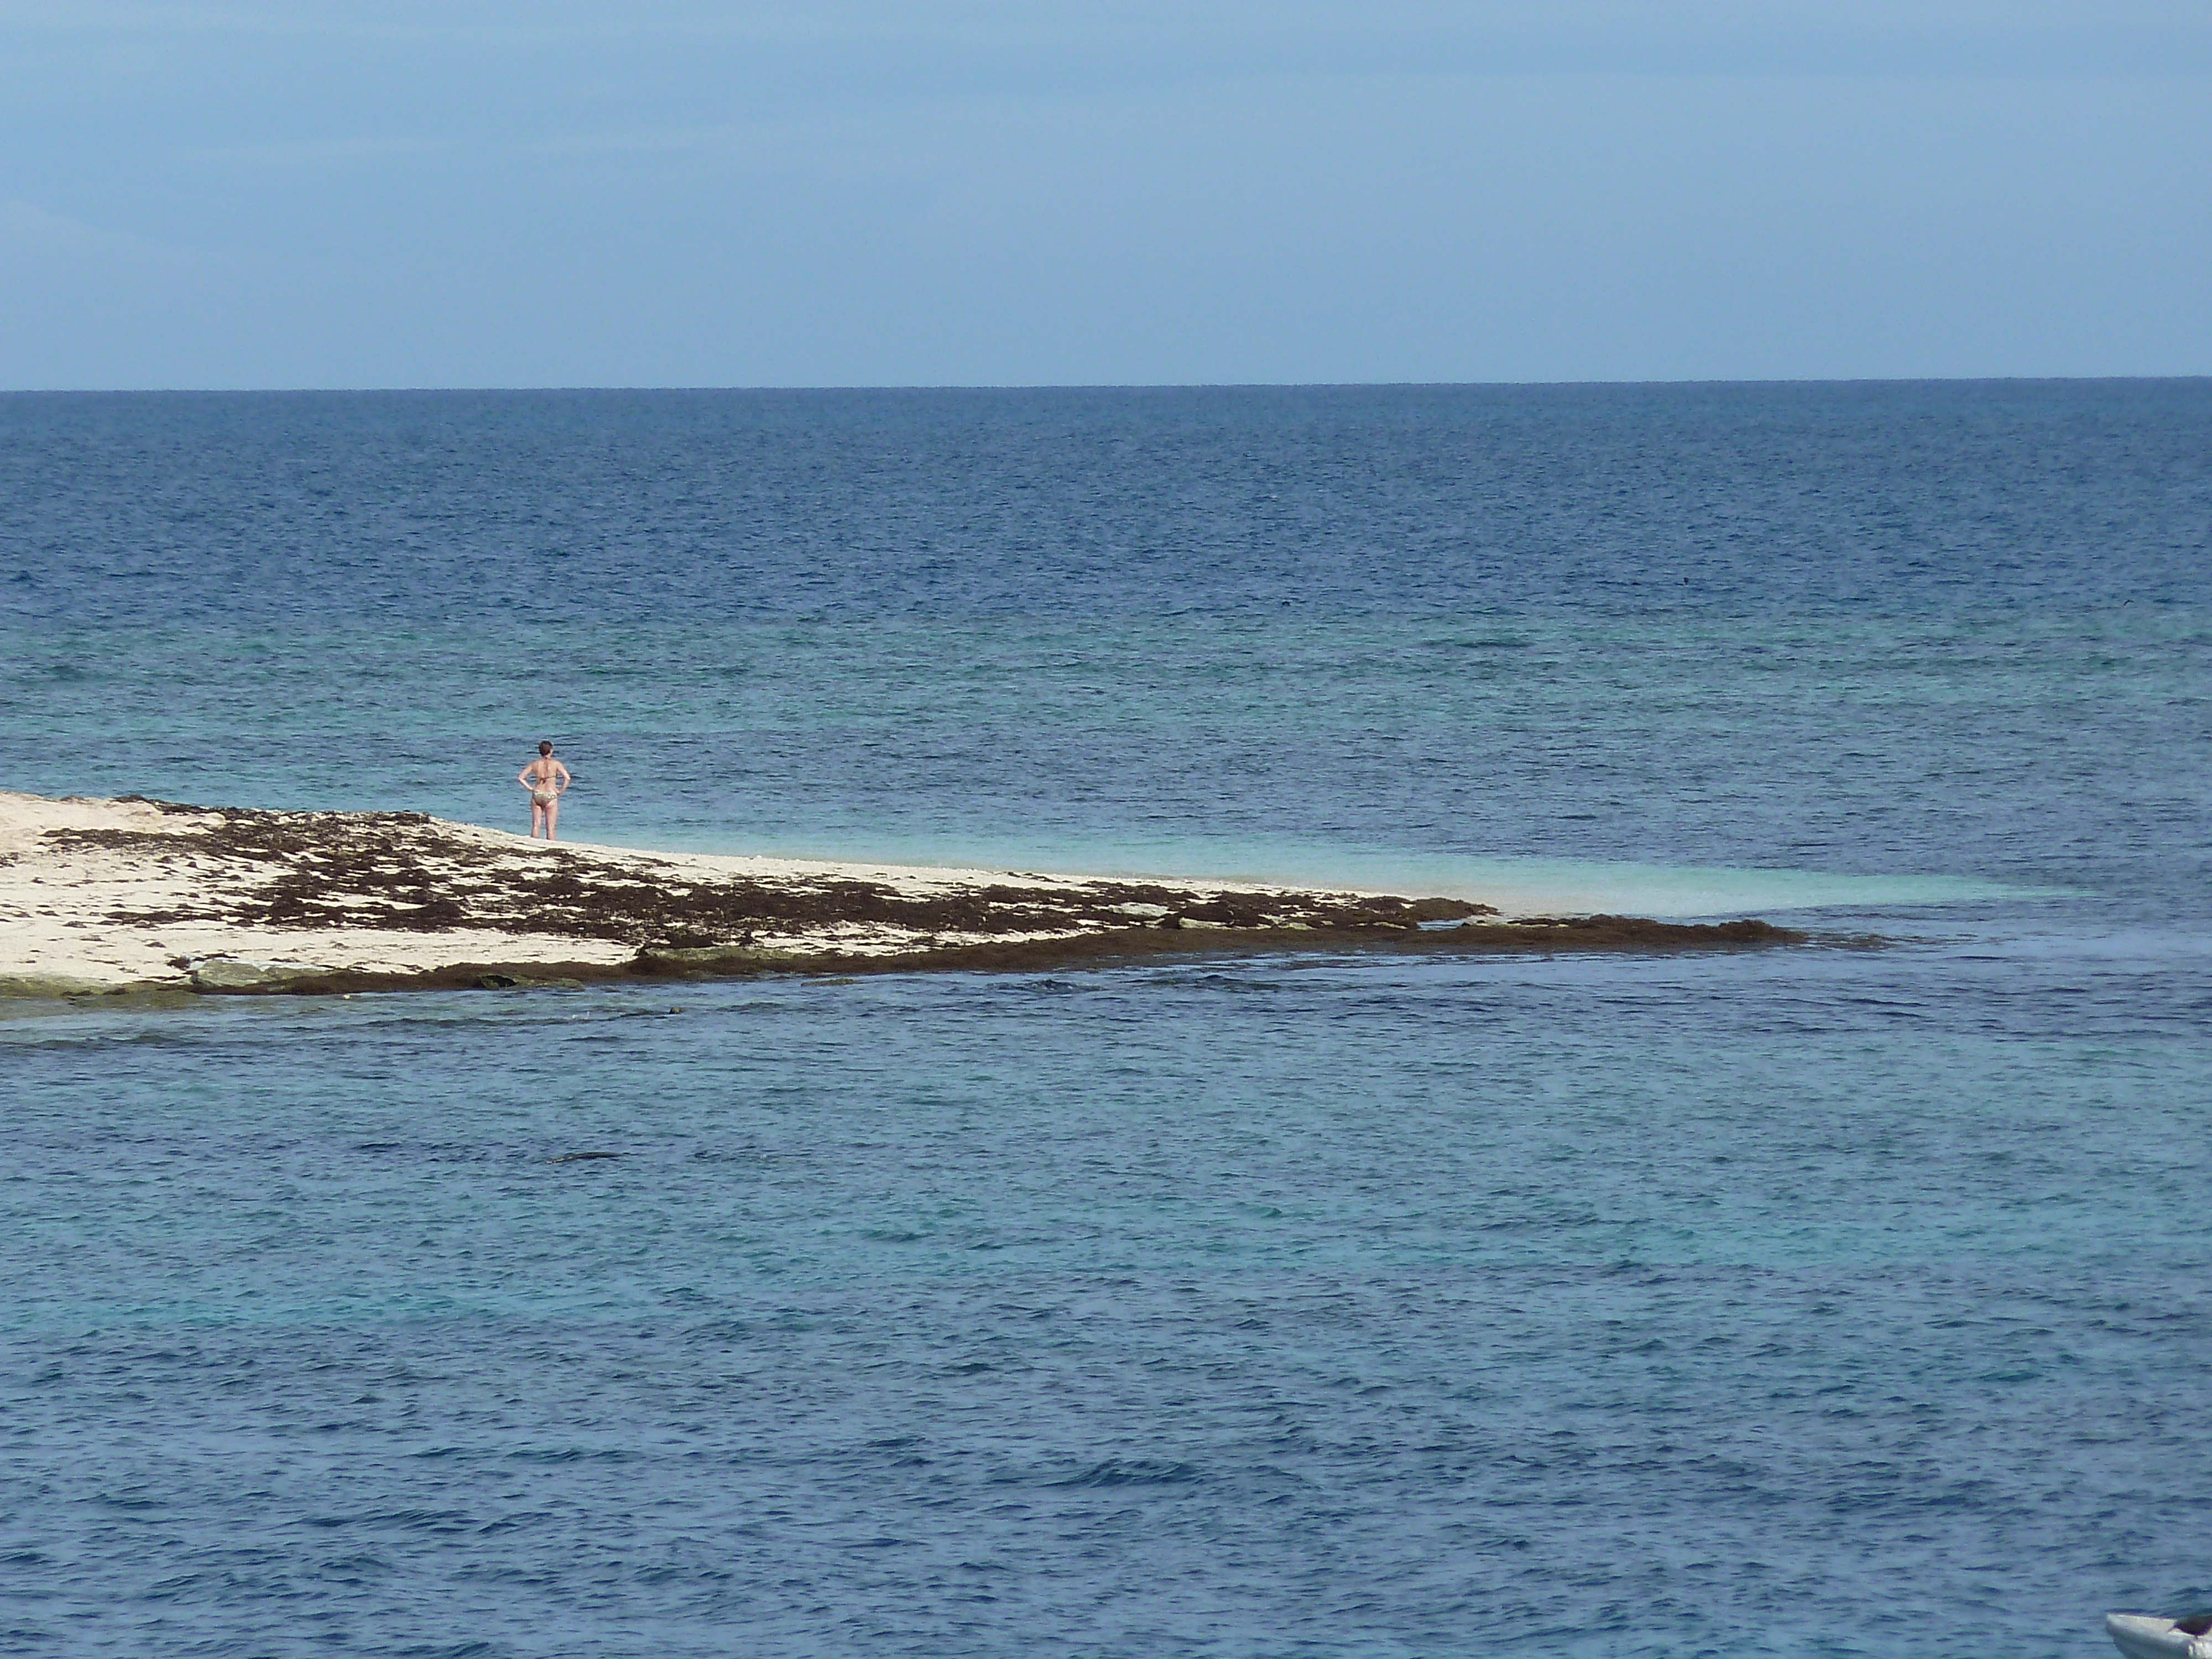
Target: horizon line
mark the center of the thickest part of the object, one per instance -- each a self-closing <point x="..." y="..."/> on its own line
<point x="1102" y="386"/>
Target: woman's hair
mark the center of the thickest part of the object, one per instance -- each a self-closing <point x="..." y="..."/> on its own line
<point x="545" y="747"/>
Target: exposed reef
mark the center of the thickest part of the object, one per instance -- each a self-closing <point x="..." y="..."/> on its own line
<point x="141" y="895"/>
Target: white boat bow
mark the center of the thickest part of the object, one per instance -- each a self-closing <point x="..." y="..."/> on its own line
<point x="2140" y="1636"/>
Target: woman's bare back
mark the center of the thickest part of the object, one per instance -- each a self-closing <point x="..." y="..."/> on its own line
<point x="547" y="780"/>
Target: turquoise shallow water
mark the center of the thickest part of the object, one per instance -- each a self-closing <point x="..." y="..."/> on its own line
<point x="1958" y="759"/>
<point x="1836" y="1301"/>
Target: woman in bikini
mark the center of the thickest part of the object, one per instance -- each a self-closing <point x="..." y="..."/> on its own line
<point x="547" y="780"/>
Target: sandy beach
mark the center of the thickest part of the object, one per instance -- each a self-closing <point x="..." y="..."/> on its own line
<point x="132" y="895"/>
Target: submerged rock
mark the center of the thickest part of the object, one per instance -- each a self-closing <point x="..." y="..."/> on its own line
<point x="711" y="958"/>
<point x="52" y="985"/>
<point x="230" y="974"/>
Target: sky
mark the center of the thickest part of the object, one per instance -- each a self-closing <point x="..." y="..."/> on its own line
<point x="321" y="193"/>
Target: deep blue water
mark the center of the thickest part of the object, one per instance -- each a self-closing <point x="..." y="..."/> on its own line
<point x="1827" y="1302"/>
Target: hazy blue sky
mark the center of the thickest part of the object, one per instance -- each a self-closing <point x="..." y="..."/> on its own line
<point x="671" y="192"/>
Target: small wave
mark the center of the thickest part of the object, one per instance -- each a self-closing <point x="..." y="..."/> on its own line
<point x="1132" y="1472"/>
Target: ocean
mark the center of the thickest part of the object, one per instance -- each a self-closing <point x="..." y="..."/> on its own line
<point x="1845" y="1300"/>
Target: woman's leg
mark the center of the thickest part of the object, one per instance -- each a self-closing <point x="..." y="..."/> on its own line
<point x="553" y="818"/>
